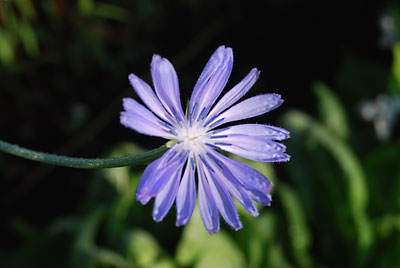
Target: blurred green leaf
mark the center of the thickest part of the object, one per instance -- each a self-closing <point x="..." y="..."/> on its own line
<point x="108" y="257"/>
<point x="110" y="11"/>
<point x="26" y="8"/>
<point x="6" y="48"/>
<point x="298" y="230"/>
<point x="396" y="62"/>
<point x="332" y="112"/>
<point x="83" y="254"/>
<point x="125" y="183"/>
<point x="28" y="38"/>
<point x="85" y="7"/>
<point x="142" y="249"/>
<point x="199" y="249"/>
<point x="353" y="173"/>
<point x="383" y="163"/>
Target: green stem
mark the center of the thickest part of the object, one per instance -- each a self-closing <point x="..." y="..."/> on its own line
<point x="74" y="162"/>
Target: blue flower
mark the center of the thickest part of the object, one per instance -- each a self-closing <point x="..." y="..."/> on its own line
<point x="195" y="141"/>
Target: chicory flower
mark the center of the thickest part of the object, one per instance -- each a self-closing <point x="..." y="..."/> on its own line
<point x="196" y="140"/>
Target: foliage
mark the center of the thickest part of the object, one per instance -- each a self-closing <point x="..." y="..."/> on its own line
<point x="336" y="202"/>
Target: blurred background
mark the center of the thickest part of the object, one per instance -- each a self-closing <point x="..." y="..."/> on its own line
<point x="63" y="72"/>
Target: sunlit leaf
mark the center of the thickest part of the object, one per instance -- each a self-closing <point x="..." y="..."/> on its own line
<point x="199" y="249"/>
<point x="143" y="249"/>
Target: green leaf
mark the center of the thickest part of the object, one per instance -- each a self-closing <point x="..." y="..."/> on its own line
<point x="297" y="121"/>
<point x="110" y="258"/>
<point x="199" y="249"/>
<point x="6" y="48"/>
<point x="85" y="7"/>
<point x="142" y="249"/>
<point x="396" y="62"/>
<point x="299" y="232"/>
<point x="28" y="38"/>
<point x="84" y="248"/>
<point x="332" y="112"/>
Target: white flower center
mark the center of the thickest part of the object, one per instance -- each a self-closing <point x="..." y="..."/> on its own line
<point x="193" y="138"/>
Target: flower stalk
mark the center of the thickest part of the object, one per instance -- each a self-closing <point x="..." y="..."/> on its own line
<point x="77" y="162"/>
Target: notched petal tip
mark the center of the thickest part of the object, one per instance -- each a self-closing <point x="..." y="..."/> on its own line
<point x="213" y="231"/>
<point x="143" y="197"/>
<point x="180" y="221"/>
<point x="237" y="226"/>
<point x="131" y="77"/>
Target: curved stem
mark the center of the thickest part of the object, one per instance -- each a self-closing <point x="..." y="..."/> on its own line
<point x="74" y="162"/>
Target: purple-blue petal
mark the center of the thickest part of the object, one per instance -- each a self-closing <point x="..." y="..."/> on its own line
<point x="208" y="209"/>
<point x="166" y="85"/>
<point x="267" y="132"/>
<point x="215" y="61"/>
<point x="158" y="173"/>
<point x="248" y="108"/>
<point x="166" y="197"/>
<point x="186" y="196"/>
<point x="255" y="148"/>
<point x="235" y="93"/>
<point x="257" y="185"/>
<point x="147" y="95"/>
<point x="232" y="184"/>
<point x="222" y="198"/>
<point x="211" y="83"/>
<point x="140" y="119"/>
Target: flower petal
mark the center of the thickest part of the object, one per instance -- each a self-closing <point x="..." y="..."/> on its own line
<point x="211" y="83"/>
<point x="267" y="132"/>
<point x="231" y="183"/>
<point x="186" y="197"/>
<point x="235" y="93"/>
<point x="212" y="65"/>
<point x="222" y="198"/>
<point x="208" y="209"/>
<point x="248" y="108"/>
<point x="147" y="95"/>
<point x="139" y="118"/>
<point x="167" y="87"/>
<point x="255" y="148"/>
<point x="166" y="197"/>
<point x="158" y="173"/>
<point x="257" y="185"/>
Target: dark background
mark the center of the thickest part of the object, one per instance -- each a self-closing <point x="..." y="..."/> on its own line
<point x="61" y="90"/>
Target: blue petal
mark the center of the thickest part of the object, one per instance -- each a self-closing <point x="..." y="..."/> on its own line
<point x="186" y="197"/>
<point x="257" y="185"/>
<point x="215" y="61"/>
<point x="211" y="82"/>
<point x="139" y="118"/>
<point x="147" y="95"/>
<point x="235" y="93"/>
<point x="255" y="148"/>
<point x="248" y="108"/>
<point x="231" y="183"/>
<point x="222" y="198"/>
<point x="208" y="209"/>
<point x="158" y="173"/>
<point x="267" y="132"/>
<point x="166" y="197"/>
<point x="166" y="84"/>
